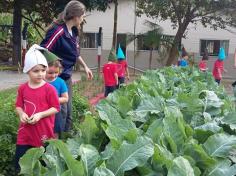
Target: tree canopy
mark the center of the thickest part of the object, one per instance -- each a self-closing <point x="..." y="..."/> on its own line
<point x="213" y="13"/>
<point x="39" y="12"/>
<point x="48" y="9"/>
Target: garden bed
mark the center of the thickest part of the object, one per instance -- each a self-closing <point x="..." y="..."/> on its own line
<point x="173" y="122"/>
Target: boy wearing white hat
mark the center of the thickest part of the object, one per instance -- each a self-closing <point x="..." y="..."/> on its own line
<point x="36" y="105"/>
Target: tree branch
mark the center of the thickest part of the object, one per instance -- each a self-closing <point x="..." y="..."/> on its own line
<point x="34" y="22"/>
<point x="176" y="11"/>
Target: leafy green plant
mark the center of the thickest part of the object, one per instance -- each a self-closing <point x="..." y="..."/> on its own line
<point x="5" y="34"/>
<point x="79" y="104"/>
<point x="8" y="129"/>
<point x="172" y="121"/>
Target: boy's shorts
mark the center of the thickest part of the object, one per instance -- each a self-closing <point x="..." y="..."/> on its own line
<point x="218" y="80"/>
<point x="121" y="81"/>
<point x="109" y="89"/>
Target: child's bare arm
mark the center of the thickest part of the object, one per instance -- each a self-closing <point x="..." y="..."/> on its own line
<point x="220" y="73"/>
<point x="36" y="117"/>
<point x="127" y="72"/>
<point x="64" y="98"/>
<point x="116" y="77"/>
<point x="23" y="116"/>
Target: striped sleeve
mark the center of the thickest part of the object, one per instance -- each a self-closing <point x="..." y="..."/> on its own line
<point x="52" y="38"/>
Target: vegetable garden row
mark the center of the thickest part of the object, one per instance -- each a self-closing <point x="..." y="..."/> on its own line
<point x="173" y="121"/>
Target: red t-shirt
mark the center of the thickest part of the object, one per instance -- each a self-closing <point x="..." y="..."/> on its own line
<point x="121" y="68"/>
<point x="33" y="101"/>
<point x="202" y="65"/>
<point x="109" y="71"/>
<point x="218" y="69"/>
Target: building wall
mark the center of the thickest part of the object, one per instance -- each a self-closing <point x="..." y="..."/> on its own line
<point x="142" y="61"/>
<point x="96" y="19"/>
<point x="141" y="58"/>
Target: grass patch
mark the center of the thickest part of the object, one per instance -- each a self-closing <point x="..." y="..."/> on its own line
<point x="9" y="68"/>
<point x="90" y="88"/>
<point x="4" y="94"/>
<point x="8" y="130"/>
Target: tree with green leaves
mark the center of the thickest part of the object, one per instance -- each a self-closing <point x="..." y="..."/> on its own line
<point x="213" y="13"/>
<point x="152" y="39"/>
<point x="45" y="10"/>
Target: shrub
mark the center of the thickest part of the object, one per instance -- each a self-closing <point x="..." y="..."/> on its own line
<point x="8" y="130"/>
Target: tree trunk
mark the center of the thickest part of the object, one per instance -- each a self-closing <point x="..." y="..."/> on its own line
<point x="115" y="25"/>
<point x="172" y="59"/>
<point x="17" y="32"/>
<point x="150" y="59"/>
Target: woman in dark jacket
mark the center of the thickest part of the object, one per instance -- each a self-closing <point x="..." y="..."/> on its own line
<point x="62" y="40"/>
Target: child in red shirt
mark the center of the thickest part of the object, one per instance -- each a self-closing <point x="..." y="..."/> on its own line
<point x="218" y="68"/>
<point x="203" y="63"/>
<point x="110" y="73"/>
<point x="122" y="67"/>
<point x="36" y="105"/>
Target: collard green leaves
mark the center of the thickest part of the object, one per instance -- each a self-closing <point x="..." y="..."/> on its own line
<point x="172" y="121"/>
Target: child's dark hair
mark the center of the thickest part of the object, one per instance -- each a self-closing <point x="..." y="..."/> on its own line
<point x="184" y="53"/>
<point x="55" y="63"/>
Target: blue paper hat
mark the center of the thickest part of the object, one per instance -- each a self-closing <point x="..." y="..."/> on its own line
<point x="221" y="55"/>
<point x="120" y="54"/>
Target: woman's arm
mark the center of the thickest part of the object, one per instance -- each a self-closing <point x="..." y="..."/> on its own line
<point x="87" y="70"/>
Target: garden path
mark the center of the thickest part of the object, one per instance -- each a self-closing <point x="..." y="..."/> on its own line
<point x="10" y="79"/>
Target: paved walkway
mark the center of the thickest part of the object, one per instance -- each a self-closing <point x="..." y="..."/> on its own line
<point x="10" y="79"/>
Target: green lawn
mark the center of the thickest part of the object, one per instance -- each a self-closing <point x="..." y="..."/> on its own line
<point x="4" y="94"/>
<point x="8" y="129"/>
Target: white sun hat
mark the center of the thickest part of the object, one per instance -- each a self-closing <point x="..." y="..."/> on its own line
<point x="34" y="57"/>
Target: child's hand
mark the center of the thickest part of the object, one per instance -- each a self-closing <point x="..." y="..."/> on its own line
<point x="35" y="118"/>
<point x="128" y="77"/>
<point x="24" y="117"/>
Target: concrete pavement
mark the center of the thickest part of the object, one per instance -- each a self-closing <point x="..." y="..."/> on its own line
<point x="9" y="79"/>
